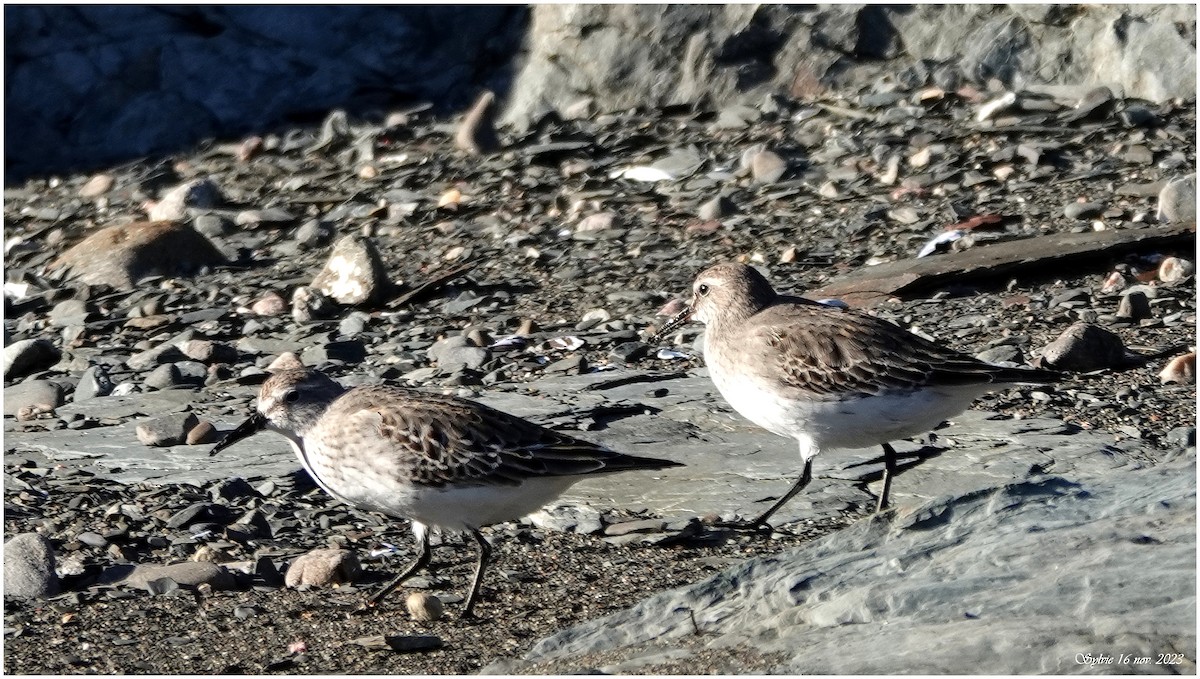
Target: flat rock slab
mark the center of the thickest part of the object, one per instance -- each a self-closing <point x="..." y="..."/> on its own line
<point x="874" y="284"/>
<point x="733" y="467"/>
<point x="1030" y="576"/>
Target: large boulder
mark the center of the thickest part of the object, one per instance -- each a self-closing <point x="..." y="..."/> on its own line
<point x="648" y="55"/>
<point x="1030" y="577"/>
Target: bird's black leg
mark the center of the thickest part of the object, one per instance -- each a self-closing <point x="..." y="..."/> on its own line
<point x="761" y="521"/>
<point x="422" y="561"/>
<point x="889" y="469"/>
<point x="485" y="555"/>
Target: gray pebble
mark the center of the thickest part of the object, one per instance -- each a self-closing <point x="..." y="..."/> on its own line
<point x="458" y="351"/>
<point x="93" y="383"/>
<point x="313" y="233"/>
<point x="354" y="323"/>
<point x="41" y="394"/>
<point x="163" y="377"/>
<point x="716" y="208"/>
<point x="212" y="226"/>
<point x="29" y="567"/>
<point x="309" y="304"/>
<point x="1177" y="201"/>
<point x="1083" y="210"/>
<point x="1084" y="347"/>
<point x="168" y="430"/>
<point x="69" y="312"/>
<point x="629" y="352"/>
<point x="187" y="574"/>
<point x="1134" y="306"/>
<point x="29" y="356"/>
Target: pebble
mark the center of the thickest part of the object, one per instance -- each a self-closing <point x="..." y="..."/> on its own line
<point x="309" y="304"/>
<point x="29" y="567"/>
<point x="212" y="226"/>
<point x="168" y="430"/>
<point x="1134" y="306"/>
<point x="345" y="351"/>
<point x="641" y="526"/>
<point x="399" y="643"/>
<point x="32" y="396"/>
<point x="1177" y="201"/>
<point x="29" y="356"/>
<point x="69" y="312"/>
<point x="629" y="352"/>
<point x="270" y="304"/>
<point x="456" y="352"/>
<point x="203" y="433"/>
<point x="1082" y="211"/>
<point x="185" y="574"/>
<point x="164" y="376"/>
<point x="208" y="351"/>
<point x="1085" y="347"/>
<point x="122" y="255"/>
<point x="767" y="167"/>
<point x="1180" y="370"/>
<point x="93" y="383"/>
<point x="354" y="273"/>
<point x="313" y="233"/>
<point x="581" y="519"/>
<point x="97" y="186"/>
<point x="716" y="208"/>
<point x="1175" y="269"/>
<point x="322" y="568"/>
<point x="424" y="607"/>
<point x="477" y="132"/>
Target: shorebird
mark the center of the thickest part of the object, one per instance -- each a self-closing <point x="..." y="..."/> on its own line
<point x="440" y="461"/>
<point x="826" y="376"/>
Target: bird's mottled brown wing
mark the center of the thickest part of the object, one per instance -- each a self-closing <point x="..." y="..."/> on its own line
<point x="824" y="351"/>
<point x="435" y="440"/>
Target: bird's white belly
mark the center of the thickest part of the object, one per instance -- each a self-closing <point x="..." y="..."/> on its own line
<point x="855" y="422"/>
<point x="451" y="507"/>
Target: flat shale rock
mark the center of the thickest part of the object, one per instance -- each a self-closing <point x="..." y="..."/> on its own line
<point x="122" y="255"/>
<point x="961" y="584"/>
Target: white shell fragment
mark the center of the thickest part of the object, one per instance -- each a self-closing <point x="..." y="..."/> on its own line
<point x="938" y="241"/>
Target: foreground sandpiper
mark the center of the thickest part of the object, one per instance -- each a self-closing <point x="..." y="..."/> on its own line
<point x="442" y="462"/>
<point x="826" y="376"/>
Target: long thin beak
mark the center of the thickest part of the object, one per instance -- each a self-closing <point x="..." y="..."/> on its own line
<point x="252" y="426"/>
<point x="676" y="321"/>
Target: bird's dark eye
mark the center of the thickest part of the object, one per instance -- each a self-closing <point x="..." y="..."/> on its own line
<point x="292" y="396"/>
<point x="702" y="289"/>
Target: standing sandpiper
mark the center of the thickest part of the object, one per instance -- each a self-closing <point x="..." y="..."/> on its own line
<point x="442" y="462"/>
<point x="829" y="377"/>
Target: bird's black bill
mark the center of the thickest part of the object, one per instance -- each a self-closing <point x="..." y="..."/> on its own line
<point x="676" y="321"/>
<point x="248" y="428"/>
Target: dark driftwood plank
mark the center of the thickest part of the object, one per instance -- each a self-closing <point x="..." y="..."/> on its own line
<point x="1030" y="256"/>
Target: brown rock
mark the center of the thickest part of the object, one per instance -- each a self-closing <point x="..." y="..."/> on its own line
<point x="1084" y="347"/>
<point x="1180" y="370"/>
<point x="271" y="304"/>
<point x="202" y="433"/>
<point x="122" y="255"/>
<point x="96" y="186"/>
<point x="322" y="567"/>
